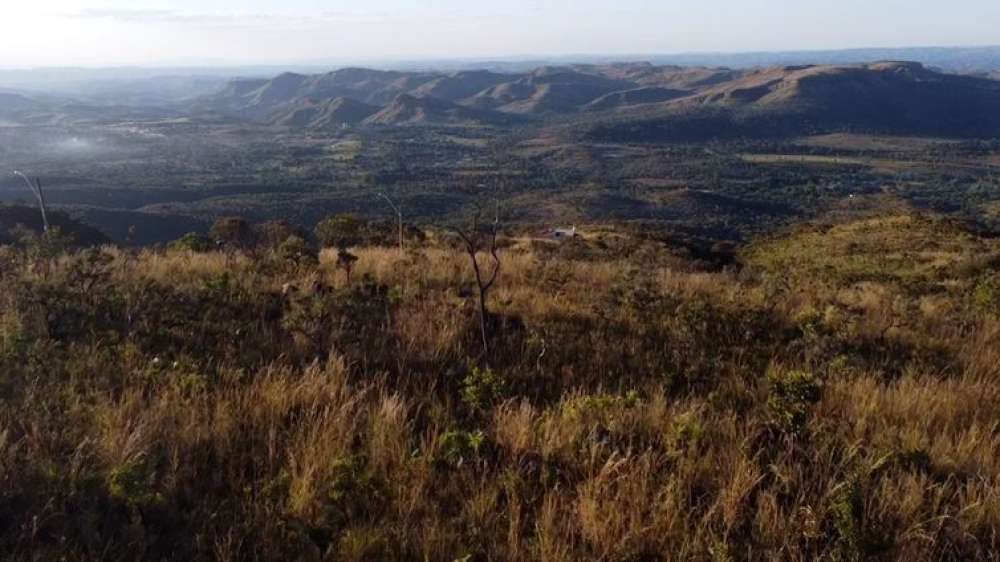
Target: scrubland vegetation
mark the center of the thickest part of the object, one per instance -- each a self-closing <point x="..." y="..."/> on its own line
<point x="831" y="392"/>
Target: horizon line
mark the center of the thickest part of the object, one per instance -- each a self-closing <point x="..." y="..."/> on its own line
<point x="486" y="59"/>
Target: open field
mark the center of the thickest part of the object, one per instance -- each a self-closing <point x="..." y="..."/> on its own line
<point x="881" y="165"/>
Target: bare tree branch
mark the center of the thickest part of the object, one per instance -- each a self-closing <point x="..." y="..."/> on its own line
<point x="475" y="242"/>
<point x="36" y="189"/>
<point x="399" y="217"/>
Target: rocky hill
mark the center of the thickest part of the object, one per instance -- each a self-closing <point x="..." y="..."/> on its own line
<point x="410" y="110"/>
<point x="295" y="99"/>
<point x="889" y="97"/>
<point x="323" y="114"/>
<point x="630" y="99"/>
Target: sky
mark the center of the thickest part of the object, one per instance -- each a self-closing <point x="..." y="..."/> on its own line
<point x="229" y="32"/>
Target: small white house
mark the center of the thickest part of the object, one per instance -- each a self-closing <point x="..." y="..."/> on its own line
<point x="561" y="233"/>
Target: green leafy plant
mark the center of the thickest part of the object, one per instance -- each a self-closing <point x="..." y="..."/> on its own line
<point x="340" y="231"/>
<point x="234" y="232"/>
<point x="459" y="446"/>
<point x="193" y="242"/>
<point x="846" y="513"/>
<point x="297" y="251"/>
<point x="986" y="295"/>
<point x="792" y="396"/>
<point x="482" y="388"/>
<point x="354" y="492"/>
<point x="133" y="482"/>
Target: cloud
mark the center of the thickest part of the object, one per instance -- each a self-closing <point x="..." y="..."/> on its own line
<point x="168" y="16"/>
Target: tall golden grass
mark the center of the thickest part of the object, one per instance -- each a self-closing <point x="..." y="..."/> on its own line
<point x="835" y="396"/>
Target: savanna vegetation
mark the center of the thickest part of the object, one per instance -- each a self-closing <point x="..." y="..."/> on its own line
<point x="830" y="392"/>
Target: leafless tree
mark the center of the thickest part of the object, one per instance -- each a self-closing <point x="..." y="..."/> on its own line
<point x="399" y="218"/>
<point x="36" y="188"/>
<point x="345" y="261"/>
<point x="477" y="240"/>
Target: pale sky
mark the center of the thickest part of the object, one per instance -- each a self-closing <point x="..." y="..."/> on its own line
<point x="207" y="32"/>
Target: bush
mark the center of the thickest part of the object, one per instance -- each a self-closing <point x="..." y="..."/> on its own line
<point x="296" y="250"/>
<point x="846" y="512"/>
<point x="234" y="232"/>
<point x="193" y="242"/>
<point x="986" y="295"/>
<point x="272" y="234"/>
<point x="340" y="231"/>
<point x="482" y="388"/>
<point x="459" y="446"/>
<point x="132" y="483"/>
<point x="354" y="492"/>
<point x="792" y="396"/>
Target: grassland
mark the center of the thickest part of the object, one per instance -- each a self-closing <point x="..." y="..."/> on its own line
<point x="834" y="393"/>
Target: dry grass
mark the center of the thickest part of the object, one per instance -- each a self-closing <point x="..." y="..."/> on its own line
<point x="837" y="398"/>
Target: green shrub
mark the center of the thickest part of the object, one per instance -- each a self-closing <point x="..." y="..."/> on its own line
<point x="271" y="234"/>
<point x="986" y="295"/>
<point x="234" y="232"/>
<point x="792" y="396"/>
<point x="133" y="483"/>
<point x="846" y="512"/>
<point x="193" y="242"/>
<point x="47" y="245"/>
<point x="354" y="492"/>
<point x="340" y="231"/>
<point x="298" y="251"/>
<point x="459" y="446"/>
<point x="601" y="406"/>
<point x="482" y="388"/>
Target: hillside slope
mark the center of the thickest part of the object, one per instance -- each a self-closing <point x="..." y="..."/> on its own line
<point x="832" y="395"/>
<point x="893" y="97"/>
<point x="460" y="85"/>
<point x="324" y="114"/>
<point x="547" y="90"/>
<point x="643" y="101"/>
<point x="263" y="100"/>
<point x="638" y="96"/>
<point x="409" y="110"/>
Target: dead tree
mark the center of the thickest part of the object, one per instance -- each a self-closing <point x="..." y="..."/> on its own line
<point x="477" y="240"/>
<point x="36" y="189"/>
<point x="399" y="218"/>
<point x="345" y="261"/>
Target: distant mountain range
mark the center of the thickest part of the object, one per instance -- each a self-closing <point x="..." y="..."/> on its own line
<point x="33" y="109"/>
<point x="365" y="96"/>
<point x="890" y="97"/>
<point x="619" y="101"/>
<point x="637" y="100"/>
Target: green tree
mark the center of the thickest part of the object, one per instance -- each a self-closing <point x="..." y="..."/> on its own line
<point x="234" y="232"/>
<point x="340" y="231"/>
<point x="194" y="242"/>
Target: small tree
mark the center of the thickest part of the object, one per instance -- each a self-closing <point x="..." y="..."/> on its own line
<point x="340" y="231"/>
<point x="272" y="234"/>
<point x="297" y="250"/>
<point x="193" y="242"/>
<point x="234" y="232"/>
<point x="477" y="240"/>
<point x="36" y="189"/>
<point x="345" y="261"/>
<point x="399" y="218"/>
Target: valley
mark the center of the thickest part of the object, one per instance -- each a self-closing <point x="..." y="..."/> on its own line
<point x="716" y="153"/>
